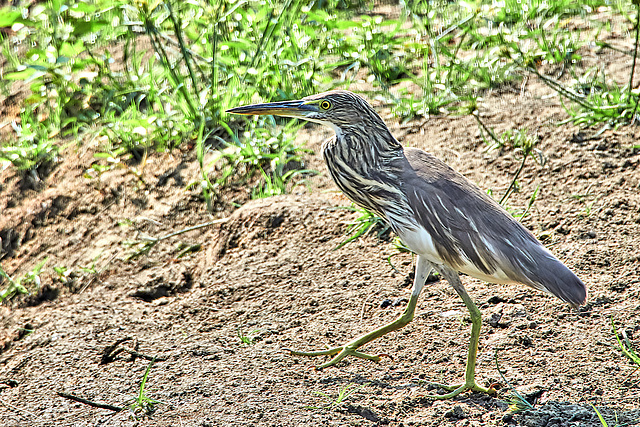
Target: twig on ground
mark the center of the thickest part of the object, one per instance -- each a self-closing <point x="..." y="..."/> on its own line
<point x="186" y="230"/>
<point x="110" y="352"/>
<point x="366" y="301"/>
<point x="149" y="242"/>
<point x="144" y="356"/>
<point x="515" y="179"/>
<point x="95" y="276"/>
<point x="90" y="402"/>
<point x="9" y="382"/>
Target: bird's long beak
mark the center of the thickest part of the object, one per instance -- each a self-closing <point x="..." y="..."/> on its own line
<point x="298" y="109"/>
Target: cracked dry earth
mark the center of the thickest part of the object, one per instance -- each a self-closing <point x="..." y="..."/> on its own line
<point x="272" y="272"/>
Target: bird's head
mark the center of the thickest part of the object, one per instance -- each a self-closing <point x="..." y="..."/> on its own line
<point x="338" y="109"/>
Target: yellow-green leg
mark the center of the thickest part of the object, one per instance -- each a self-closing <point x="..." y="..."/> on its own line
<point x="476" y="323"/>
<point x="423" y="268"/>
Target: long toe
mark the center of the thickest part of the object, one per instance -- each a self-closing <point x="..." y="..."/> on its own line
<point x="339" y="353"/>
<point x="349" y="352"/>
<point x="455" y="390"/>
<point x="447" y="387"/>
<point x="327" y="352"/>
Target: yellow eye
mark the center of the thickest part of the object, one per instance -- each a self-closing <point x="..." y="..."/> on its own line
<point x="325" y="105"/>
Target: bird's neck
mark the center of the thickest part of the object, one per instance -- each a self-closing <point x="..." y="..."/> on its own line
<point x="363" y="164"/>
<point x="364" y="151"/>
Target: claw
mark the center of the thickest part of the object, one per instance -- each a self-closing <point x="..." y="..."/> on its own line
<point x="492" y="386"/>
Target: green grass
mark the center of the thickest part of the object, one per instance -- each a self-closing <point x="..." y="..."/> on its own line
<point x="31" y="151"/>
<point x="600" y="417"/>
<point x="588" y="201"/>
<point x="207" y="62"/>
<point x="342" y="395"/>
<point x="152" y="76"/>
<point x="367" y="222"/>
<point x="517" y="402"/>
<point x="142" y="405"/>
<point x="625" y="345"/>
<point x="26" y="284"/>
<point x="248" y="339"/>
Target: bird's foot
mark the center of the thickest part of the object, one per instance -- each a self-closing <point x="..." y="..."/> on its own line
<point x="339" y="353"/>
<point x="457" y="389"/>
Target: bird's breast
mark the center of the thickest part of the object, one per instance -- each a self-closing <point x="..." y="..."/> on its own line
<point x="369" y="178"/>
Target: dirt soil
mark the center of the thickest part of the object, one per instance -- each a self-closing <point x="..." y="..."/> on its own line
<point x="272" y="273"/>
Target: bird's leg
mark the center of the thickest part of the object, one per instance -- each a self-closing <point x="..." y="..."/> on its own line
<point x="423" y="268"/>
<point x="476" y="323"/>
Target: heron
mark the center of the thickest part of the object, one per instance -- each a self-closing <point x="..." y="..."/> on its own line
<point x="448" y="222"/>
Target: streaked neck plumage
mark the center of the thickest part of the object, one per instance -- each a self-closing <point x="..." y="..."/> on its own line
<point x="364" y="160"/>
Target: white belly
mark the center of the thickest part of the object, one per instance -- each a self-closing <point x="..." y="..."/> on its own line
<point x="420" y="242"/>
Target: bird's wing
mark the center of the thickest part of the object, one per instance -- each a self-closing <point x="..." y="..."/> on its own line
<point x="473" y="234"/>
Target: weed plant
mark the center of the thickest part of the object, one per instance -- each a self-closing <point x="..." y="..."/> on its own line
<point x="625" y="346"/>
<point x="142" y="405"/>
<point x="26" y="284"/>
<point x="343" y="394"/>
<point x="363" y="225"/>
<point x="152" y="75"/>
<point x="249" y="339"/>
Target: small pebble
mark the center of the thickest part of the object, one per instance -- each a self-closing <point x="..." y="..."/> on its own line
<point x="386" y="303"/>
<point x="400" y="301"/>
<point x="455" y="413"/>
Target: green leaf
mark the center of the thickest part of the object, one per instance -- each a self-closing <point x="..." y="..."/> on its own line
<point x="87" y="27"/>
<point x="83" y="8"/>
<point x="20" y="75"/>
<point x="35" y="75"/>
<point x="8" y="17"/>
<point x="72" y="50"/>
<point x="39" y="54"/>
<point x="602" y="420"/>
<point x="344" y="25"/>
<point x="38" y="67"/>
<point x="79" y="65"/>
<point x="238" y="44"/>
<point x="57" y="6"/>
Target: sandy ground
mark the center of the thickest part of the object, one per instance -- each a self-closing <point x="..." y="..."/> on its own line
<point x="272" y="273"/>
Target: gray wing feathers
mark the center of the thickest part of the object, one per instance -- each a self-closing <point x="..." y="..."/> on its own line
<point x="468" y="226"/>
<point x="544" y="271"/>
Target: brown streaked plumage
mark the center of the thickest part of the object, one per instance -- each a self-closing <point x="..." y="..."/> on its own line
<point x="447" y="221"/>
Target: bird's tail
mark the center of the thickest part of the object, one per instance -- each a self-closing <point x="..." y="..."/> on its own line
<point x="554" y="277"/>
